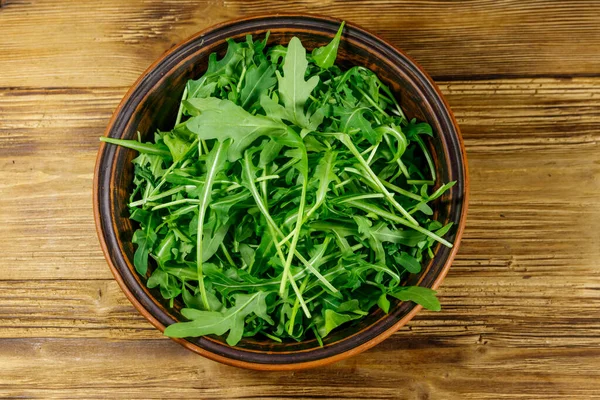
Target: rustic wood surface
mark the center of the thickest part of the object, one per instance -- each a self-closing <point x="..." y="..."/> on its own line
<point x="521" y="316"/>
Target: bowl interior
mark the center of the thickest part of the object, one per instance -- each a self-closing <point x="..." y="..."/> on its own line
<point x="152" y="104"/>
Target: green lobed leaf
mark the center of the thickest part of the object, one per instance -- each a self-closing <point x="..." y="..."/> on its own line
<point x="223" y="120"/>
<point x="293" y="89"/>
<point x="258" y="81"/>
<point x="218" y="323"/>
<point x="420" y="295"/>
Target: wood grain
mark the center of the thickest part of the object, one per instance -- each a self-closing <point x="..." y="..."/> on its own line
<point x="451" y="39"/>
<point x="48" y="145"/>
<point x="521" y="303"/>
<point x="396" y="369"/>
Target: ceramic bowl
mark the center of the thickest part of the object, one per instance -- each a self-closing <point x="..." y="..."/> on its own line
<point x="152" y="104"/>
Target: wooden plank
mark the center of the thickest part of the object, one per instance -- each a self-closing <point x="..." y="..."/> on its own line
<point x="48" y="145"/>
<point x="396" y="369"/>
<point x="500" y="310"/>
<point x="69" y="308"/>
<point x="109" y="43"/>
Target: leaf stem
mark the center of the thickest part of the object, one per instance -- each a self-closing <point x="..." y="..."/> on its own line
<point x="292" y="248"/>
<point x="296" y="306"/>
<point x="345" y="139"/>
<point x="180" y="111"/>
<point x="169" y="192"/>
<point x="137" y="146"/>
<point x="175" y="203"/>
<point x="401" y="191"/>
<point x="401" y="221"/>
<point x="227" y="255"/>
<point x="212" y="169"/>
<point x="427" y="157"/>
<point x="271" y="224"/>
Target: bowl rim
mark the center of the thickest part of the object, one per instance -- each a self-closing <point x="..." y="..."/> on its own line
<point x="304" y="364"/>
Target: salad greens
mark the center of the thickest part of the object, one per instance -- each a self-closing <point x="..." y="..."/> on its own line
<point x="291" y="197"/>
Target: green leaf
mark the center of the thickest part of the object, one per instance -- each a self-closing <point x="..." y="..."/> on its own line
<point x="354" y="120"/>
<point x="200" y="88"/>
<point x="406" y="237"/>
<point x="277" y="53"/>
<point x="195" y="301"/>
<point x="351" y="306"/>
<point x="424" y="208"/>
<point x="178" y="147"/>
<point x="333" y="320"/>
<point x="190" y="300"/>
<point x="247" y="254"/>
<point x="274" y="110"/>
<point x="230" y="60"/>
<point x="144" y="238"/>
<point x="324" y="175"/>
<point x="441" y="190"/>
<point x="217" y="323"/>
<point x="214" y="164"/>
<point x="212" y="239"/>
<point x="224" y="120"/>
<point x="164" y="249"/>
<point x="408" y="262"/>
<point x="293" y="89"/>
<point x="413" y="129"/>
<point x="223" y="207"/>
<point x="169" y="288"/>
<point x="384" y="303"/>
<point x="420" y="295"/>
<point x="257" y="82"/>
<point x="325" y="56"/>
<point x="269" y="153"/>
<point x="146" y="148"/>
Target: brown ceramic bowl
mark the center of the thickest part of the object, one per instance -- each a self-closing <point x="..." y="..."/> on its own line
<point x="152" y="104"/>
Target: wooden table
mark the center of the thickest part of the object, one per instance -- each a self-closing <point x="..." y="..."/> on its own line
<point x="521" y="316"/>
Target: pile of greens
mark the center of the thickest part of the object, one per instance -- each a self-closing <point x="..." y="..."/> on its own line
<point x="290" y="198"/>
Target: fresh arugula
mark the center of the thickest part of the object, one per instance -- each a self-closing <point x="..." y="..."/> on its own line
<point x="293" y="89"/>
<point x="290" y="198"/>
<point x="324" y="57"/>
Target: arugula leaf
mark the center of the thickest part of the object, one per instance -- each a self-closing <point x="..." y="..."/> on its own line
<point x="146" y="148"/>
<point x="293" y="89"/>
<point x="325" y="175"/>
<point x="325" y="56"/>
<point x="231" y="58"/>
<point x="169" y="289"/>
<point x="214" y="163"/>
<point x="177" y="147"/>
<point x="354" y="120"/>
<point x="408" y="262"/>
<point x="217" y="323"/>
<point x="384" y="303"/>
<point x="258" y="81"/>
<point x="333" y="320"/>
<point x="226" y="120"/>
<point x="420" y="295"/>
<point x="144" y="239"/>
<point x="200" y="88"/>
